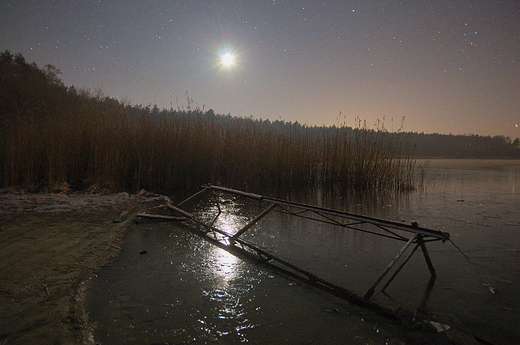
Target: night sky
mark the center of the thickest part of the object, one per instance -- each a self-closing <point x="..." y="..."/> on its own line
<point x="447" y="66"/>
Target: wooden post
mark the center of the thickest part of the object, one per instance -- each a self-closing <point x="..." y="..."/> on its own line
<point x="427" y="256"/>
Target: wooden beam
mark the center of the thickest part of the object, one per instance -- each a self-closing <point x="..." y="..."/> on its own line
<point x="371" y="291"/>
<point x="159" y="216"/>
<point x="253" y="222"/>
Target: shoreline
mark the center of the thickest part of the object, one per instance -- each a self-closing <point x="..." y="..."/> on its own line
<point x="52" y="245"/>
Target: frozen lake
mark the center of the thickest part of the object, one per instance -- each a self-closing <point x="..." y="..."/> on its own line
<point x="169" y="286"/>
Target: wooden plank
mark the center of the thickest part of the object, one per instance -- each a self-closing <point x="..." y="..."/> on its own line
<point x="159" y="216"/>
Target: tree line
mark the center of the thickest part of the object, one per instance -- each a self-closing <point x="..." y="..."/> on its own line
<point x="464" y="146"/>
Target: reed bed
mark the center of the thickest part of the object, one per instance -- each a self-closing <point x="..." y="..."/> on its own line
<point x="101" y="150"/>
<point x="88" y="142"/>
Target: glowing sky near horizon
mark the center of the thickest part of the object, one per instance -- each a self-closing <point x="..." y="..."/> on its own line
<point x="447" y="66"/>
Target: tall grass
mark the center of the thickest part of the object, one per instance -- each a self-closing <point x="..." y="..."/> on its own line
<point x="93" y="143"/>
<point x="112" y="150"/>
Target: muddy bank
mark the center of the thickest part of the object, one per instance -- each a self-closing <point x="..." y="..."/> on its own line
<point x="50" y="245"/>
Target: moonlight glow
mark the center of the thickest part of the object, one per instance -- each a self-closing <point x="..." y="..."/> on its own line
<point x="227" y="59"/>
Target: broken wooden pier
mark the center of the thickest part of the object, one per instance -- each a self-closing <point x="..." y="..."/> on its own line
<point x="413" y="236"/>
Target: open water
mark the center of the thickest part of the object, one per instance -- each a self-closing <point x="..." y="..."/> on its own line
<point x="170" y="286"/>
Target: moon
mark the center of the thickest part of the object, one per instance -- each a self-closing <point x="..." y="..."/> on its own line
<point x="227" y="59"/>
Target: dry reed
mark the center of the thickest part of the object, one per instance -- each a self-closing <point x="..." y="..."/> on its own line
<point x="110" y="149"/>
<point x="93" y="143"/>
